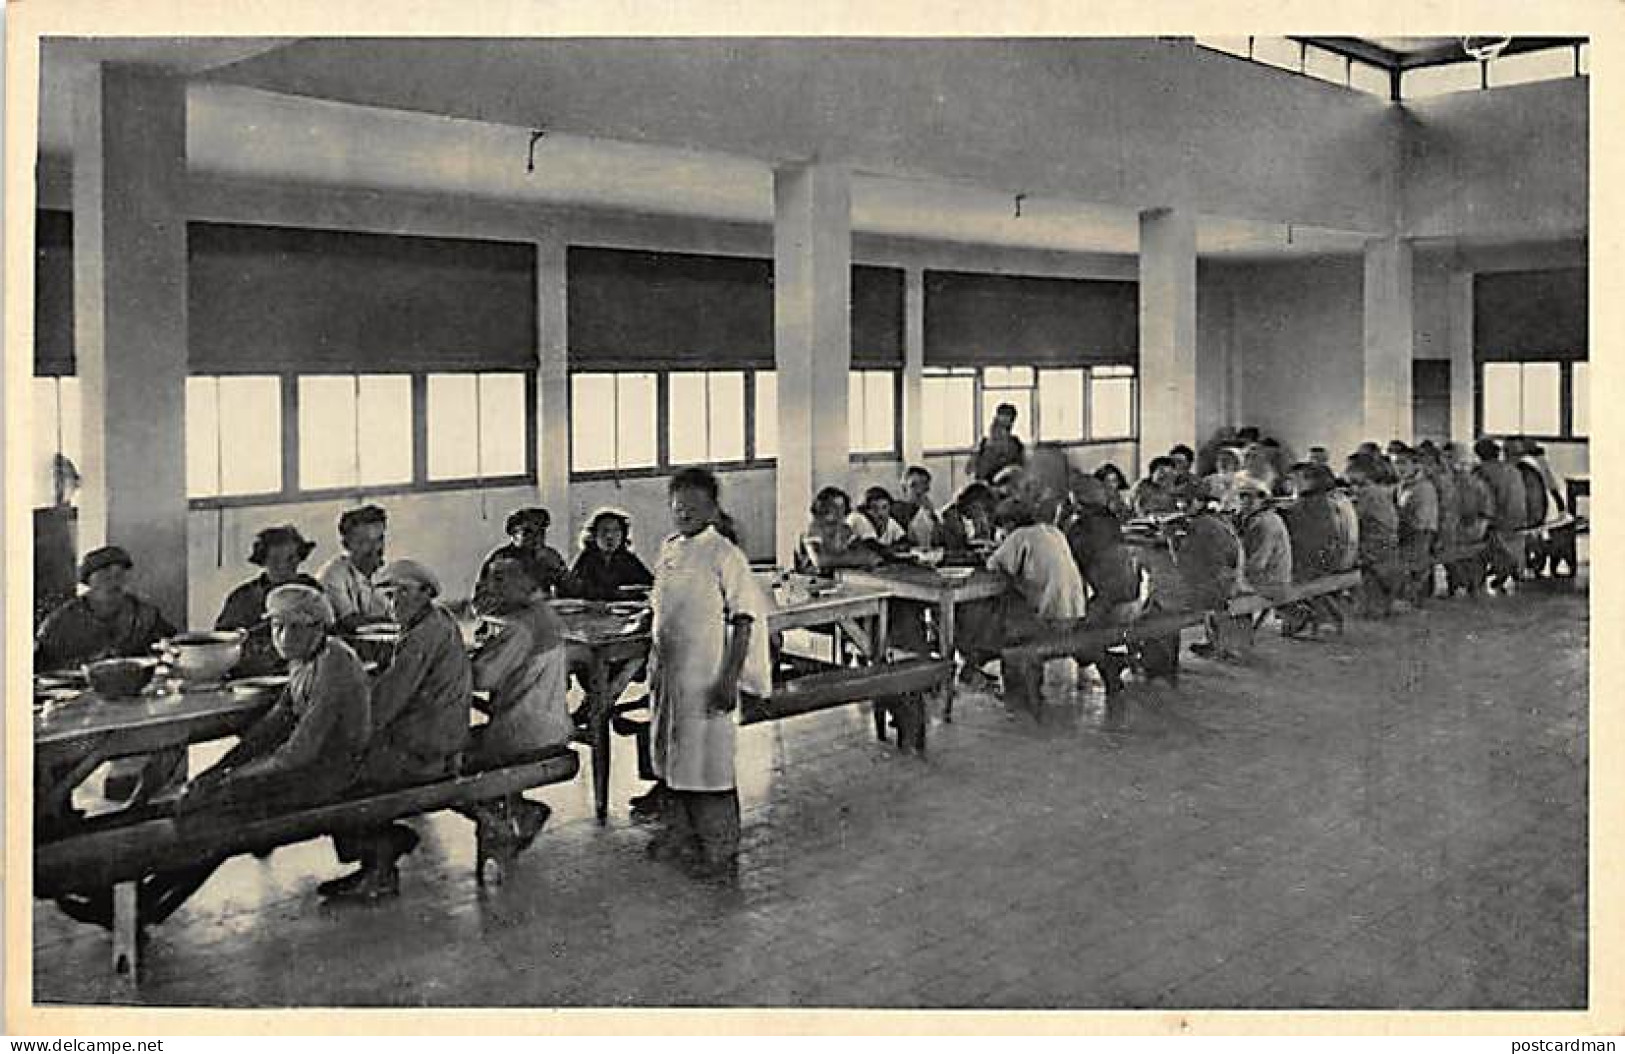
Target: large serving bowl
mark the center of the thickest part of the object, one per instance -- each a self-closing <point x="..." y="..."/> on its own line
<point x="204" y="655"/>
<point x="120" y="678"/>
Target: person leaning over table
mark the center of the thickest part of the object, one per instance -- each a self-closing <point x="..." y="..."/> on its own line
<point x="280" y="551"/>
<point x="420" y="714"/>
<point x="105" y="621"/>
<point x="1155" y="494"/>
<point x="347" y="577"/>
<point x="524" y="669"/>
<point x="710" y="647"/>
<point x="305" y="751"/>
<point x="1046" y="594"/>
<point x="968" y="518"/>
<point x="606" y="562"/>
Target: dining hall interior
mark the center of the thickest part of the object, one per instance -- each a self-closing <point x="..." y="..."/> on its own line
<point x="279" y="280"/>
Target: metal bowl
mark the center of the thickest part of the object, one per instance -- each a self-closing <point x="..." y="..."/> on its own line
<point x="204" y="655"/>
<point x="120" y="678"/>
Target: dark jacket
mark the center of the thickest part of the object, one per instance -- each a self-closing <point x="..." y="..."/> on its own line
<point x="1316" y="531"/>
<point x="1210" y="560"/>
<point x="420" y="704"/>
<point x="1507" y="489"/>
<point x="74" y="634"/>
<point x="245" y="609"/>
<point x="599" y="577"/>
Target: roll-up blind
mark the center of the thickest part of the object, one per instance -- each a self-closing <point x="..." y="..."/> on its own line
<point x="53" y="293"/>
<point x="877" y="317"/>
<point x="1525" y="315"/>
<point x="271" y="298"/>
<point x="629" y="307"/>
<point x="981" y="319"/>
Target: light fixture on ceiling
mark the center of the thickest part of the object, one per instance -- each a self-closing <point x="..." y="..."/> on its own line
<point x="530" y="161"/>
<point x="1484" y="48"/>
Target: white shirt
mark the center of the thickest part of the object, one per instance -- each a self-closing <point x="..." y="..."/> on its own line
<point x="350" y="591"/>
<point x="863" y="530"/>
<point x="701" y="584"/>
<point x="1039" y="562"/>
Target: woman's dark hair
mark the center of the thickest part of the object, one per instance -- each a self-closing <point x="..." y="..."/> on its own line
<point x="1487" y="449"/>
<point x="1159" y="462"/>
<point x="1013" y="513"/>
<point x="821" y="502"/>
<point x="917" y="470"/>
<point x="608" y="516"/>
<point x="1117" y="480"/>
<point x="875" y="494"/>
<point x="1190" y="455"/>
<point x="695" y="478"/>
<point x="1317" y="479"/>
<point x="976" y="494"/>
<point x="350" y="519"/>
<point x="540" y="518"/>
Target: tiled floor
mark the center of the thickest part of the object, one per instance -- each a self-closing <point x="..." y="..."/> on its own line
<point x="1395" y="820"/>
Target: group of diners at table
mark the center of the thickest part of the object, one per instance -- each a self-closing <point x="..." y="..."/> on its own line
<point x="1076" y="549"/>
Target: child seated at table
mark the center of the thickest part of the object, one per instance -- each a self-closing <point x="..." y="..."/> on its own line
<point x="968" y="519"/>
<point x="873" y="521"/>
<point x="607" y="562"/>
<point x="829" y="542"/>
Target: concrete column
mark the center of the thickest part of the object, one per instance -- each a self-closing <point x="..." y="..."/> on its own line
<point x="1389" y="336"/>
<point x="1167" y="330"/>
<point x="1214" y="322"/>
<point x="552" y="386"/>
<point x="812" y="337"/>
<point x="129" y="235"/>
<point x="913" y="366"/>
<point x="1462" y="367"/>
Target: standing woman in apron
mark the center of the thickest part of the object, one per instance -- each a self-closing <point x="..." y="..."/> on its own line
<point x="710" y="647"/>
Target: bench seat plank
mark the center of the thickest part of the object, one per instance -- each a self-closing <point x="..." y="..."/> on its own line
<point x="820" y="691"/>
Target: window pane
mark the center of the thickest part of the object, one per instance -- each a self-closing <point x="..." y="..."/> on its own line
<point x="1544" y="65"/>
<point x="871" y="411"/>
<point x="592" y="422"/>
<point x="1278" y="51"/>
<point x="1060" y="404"/>
<point x="767" y="414"/>
<point x="202" y="433"/>
<point x="453" y="426"/>
<point x="1111" y="407"/>
<point x="1230" y="45"/>
<point x="1542" y="406"/>
<point x="687" y="411"/>
<point x="386" y="429"/>
<point x="251" y="436"/>
<point x="1438" y="80"/>
<point x="727" y="416"/>
<point x="996" y="377"/>
<point x="635" y="420"/>
<point x="503" y="435"/>
<point x="1582" y="399"/>
<point x="1326" y="65"/>
<point x="1501" y="399"/>
<point x="45" y="441"/>
<point x="948" y="409"/>
<point x="1371" y="79"/>
<point x="327" y="454"/>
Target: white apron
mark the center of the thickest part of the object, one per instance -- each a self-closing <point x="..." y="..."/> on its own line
<point x="701" y="583"/>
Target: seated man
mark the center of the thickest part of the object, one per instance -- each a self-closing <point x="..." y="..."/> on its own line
<point x="1264" y="540"/>
<point x="1046" y="596"/>
<point x="1379" y="531"/>
<point x="280" y="551"/>
<point x="913" y="510"/>
<point x="347" y="577"/>
<point x="1155" y="495"/>
<point x="523" y="667"/>
<point x="968" y="518"/>
<point x="420" y="714"/>
<point x="528" y="530"/>
<point x="108" y="621"/>
<point x="873" y="522"/>
<point x="1211" y="567"/>
<point x="305" y="751"/>
<point x="1315" y="527"/>
<point x="1112" y="575"/>
<point x="1417" y="501"/>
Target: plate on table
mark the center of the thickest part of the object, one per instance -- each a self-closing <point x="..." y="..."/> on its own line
<point x="265" y="683"/>
<point x="570" y="606"/>
<point x="60" y="679"/>
<point x="628" y="607"/>
<point x="956" y="574"/>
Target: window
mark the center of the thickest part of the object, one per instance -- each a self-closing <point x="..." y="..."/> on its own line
<point x="355" y="431"/>
<point x="767" y="415"/>
<point x="1372" y="80"/>
<point x="1439" y="80"/>
<point x="948" y="409"/>
<point x="1544" y="65"/>
<point x="476" y="425"/>
<point x="1013" y="385"/>
<point x="1580" y="393"/>
<point x="56" y="431"/>
<point x="706" y="415"/>
<point x="612" y="421"/>
<point x="234" y="436"/>
<point x="1111" y="402"/>
<point x="1280" y="52"/>
<point x="1060" y="405"/>
<point x="871" y="411"/>
<point x="1325" y="65"/>
<point x="1583" y="62"/>
<point x="1522" y="398"/>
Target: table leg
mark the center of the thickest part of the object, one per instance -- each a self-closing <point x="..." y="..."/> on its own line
<point x="600" y="706"/>
<point x="881" y="645"/>
<point x="945" y="629"/>
<point x="126" y="931"/>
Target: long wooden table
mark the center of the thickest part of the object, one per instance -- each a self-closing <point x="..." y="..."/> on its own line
<point x="944" y="592"/>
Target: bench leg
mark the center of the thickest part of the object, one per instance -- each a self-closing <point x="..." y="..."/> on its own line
<point x="126" y="931"/>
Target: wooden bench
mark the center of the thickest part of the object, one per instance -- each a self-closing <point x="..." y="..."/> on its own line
<point x="118" y="855"/>
<point x="895" y="688"/>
